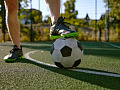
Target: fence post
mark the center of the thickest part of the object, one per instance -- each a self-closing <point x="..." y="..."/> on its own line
<point x="108" y="22"/>
<point x="31" y="38"/>
<point x="95" y="20"/>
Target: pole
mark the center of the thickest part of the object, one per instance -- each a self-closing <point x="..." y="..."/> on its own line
<point x="31" y="39"/>
<point x="108" y="21"/>
<point x="106" y="26"/>
<point x="39" y="10"/>
<point x="3" y="20"/>
<point x="95" y="20"/>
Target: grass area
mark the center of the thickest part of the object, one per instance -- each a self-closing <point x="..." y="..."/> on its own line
<point x="97" y="56"/>
<point x="116" y="43"/>
<point x="27" y="75"/>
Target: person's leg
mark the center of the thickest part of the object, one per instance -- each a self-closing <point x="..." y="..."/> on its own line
<point x="54" y="7"/>
<point x="13" y="29"/>
<point x="12" y="21"/>
<point x="58" y="28"/>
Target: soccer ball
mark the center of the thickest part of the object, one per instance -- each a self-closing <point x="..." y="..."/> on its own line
<point x="66" y="53"/>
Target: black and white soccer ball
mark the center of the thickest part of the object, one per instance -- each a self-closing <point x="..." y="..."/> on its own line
<point x="66" y="53"/>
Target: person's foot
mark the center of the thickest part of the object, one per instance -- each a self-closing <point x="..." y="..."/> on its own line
<point x="59" y="29"/>
<point x="14" y="54"/>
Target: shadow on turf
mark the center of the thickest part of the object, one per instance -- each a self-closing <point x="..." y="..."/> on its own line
<point x="100" y="80"/>
<point x="45" y="47"/>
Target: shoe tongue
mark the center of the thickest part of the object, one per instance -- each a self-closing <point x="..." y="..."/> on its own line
<point x="60" y="19"/>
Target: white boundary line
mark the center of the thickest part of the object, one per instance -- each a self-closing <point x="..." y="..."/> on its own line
<point x="111" y="44"/>
<point x="78" y="70"/>
<point x="36" y="61"/>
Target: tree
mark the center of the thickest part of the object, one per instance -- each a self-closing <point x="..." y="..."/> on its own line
<point x="101" y="26"/>
<point x="70" y="12"/>
<point x="47" y="19"/>
<point x="114" y="9"/>
<point x="87" y="19"/>
<point x="35" y="15"/>
<point x="114" y="14"/>
<point x="2" y="14"/>
<point x="21" y="5"/>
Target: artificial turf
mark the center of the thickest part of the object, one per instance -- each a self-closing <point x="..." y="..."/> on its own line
<point x="27" y="75"/>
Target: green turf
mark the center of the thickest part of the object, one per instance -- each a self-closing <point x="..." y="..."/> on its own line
<point x="97" y="56"/>
<point x="116" y="43"/>
<point x="27" y="75"/>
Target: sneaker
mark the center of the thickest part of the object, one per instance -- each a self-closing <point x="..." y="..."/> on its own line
<point x="14" y="54"/>
<point x="59" y="29"/>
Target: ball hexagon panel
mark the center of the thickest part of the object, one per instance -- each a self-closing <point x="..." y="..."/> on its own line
<point x="66" y="51"/>
<point x="52" y="49"/>
<point x="76" y="63"/>
<point x="56" y="56"/>
<point x="59" y="43"/>
<point x="59" y="65"/>
<point x="71" y="42"/>
<point x="79" y="45"/>
<point x="67" y="62"/>
<point x="77" y="54"/>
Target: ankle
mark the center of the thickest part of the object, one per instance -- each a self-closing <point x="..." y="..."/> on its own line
<point x="54" y="20"/>
<point x="18" y="46"/>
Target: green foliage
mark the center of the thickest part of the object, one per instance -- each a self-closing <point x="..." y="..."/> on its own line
<point x="47" y="20"/>
<point x="114" y="6"/>
<point x="25" y="33"/>
<point x="42" y="34"/>
<point x="83" y="36"/>
<point x="101" y="22"/>
<point x="114" y="15"/>
<point x="118" y="31"/>
<point x="23" y="4"/>
<point x="70" y="12"/>
<point x="35" y="16"/>
<point x="20" y="16"/>
<point x="0" y="20"/>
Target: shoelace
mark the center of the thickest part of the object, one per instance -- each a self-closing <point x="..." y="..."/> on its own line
<point x="64" y="23"/>
<point x="14" y="49"/>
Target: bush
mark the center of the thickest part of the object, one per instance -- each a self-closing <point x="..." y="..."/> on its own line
<point x="25" y="34"/>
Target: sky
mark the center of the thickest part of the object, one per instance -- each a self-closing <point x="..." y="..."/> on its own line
<point x="83" y="7"/>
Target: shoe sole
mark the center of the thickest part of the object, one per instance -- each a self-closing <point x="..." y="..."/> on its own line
<point x="12" y="60"/>
<point x="65" y="36"/>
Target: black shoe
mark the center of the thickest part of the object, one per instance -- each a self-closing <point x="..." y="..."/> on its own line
<point x="14" y="54"/>
<point x="59" y="29"/>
